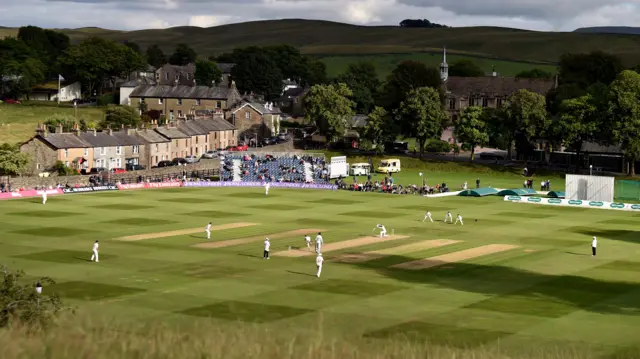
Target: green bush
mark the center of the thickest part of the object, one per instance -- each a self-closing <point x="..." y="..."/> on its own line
<point x="106" y="99"/>
<point x="64" y="170"/>
<point x="437" y="146"/>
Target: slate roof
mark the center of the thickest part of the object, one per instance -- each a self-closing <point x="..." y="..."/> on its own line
<point x="192" y="128"/>
<point x="256" y="106"/>
<point x="294" y="92"/>
<point x="495" y="86"/>
<point x="171" y="133"/>
<point x="226" y="67"/>
<point x="189" y="92"/>
<point x="63" y="141"/>
<point x="126" y="140"/>
<point x="151" y="136"/>
<point x="359" y="120"/>
<point x="138" y="82"/>
<point x="99" y="139"/>
<point x="215" y="124"/>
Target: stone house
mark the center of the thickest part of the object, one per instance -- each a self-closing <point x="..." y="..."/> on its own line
<point x="198" y="142"/>
<point x="179" y="140"/>
<point x="253" y="119"/>
<point x="222" y="134"/>
<point x="68" y="91"/>
<point x="127" y="88"/>
<point x="46" y="149"/>
<point x="156" y="147"/>
<point x="133" y="147"/>
<point x="107" y="151"/>
<point x="292" y="101"/>
<point x="180" y="101"/>
<point x="225" y="68"/>
<point x="172" y="75"/>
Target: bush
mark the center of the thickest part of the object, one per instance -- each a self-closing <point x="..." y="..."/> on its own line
<point x="64" y="170"/>
<point x="154" y="114"/>
<point x="106" y="99"/>
<point x="437" y="146"/>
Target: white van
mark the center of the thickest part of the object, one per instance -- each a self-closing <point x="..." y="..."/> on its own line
<point x="389" y="166"/>
<point x="360" y="169"/>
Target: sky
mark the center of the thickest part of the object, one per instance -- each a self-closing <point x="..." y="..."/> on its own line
<point x="544" y="15"/>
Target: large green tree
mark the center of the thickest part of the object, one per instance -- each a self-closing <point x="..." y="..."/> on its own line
<point x="362" y="79"/>
<point x="422" y="112"/>
<point x="155" y="56"/>
<point x="12" y="161"/>
<point x="624" y="112"/>
<point x="183" y="55"/>
<point x="535" y="73"/>
<point x="406" y="77"/>
<point x="315" y="72"/>
<point x="379" y="128"/>
<point x="20" y="67"/>
<point x="207" y="73"/>
<point x="118" y="116"/>
<point x="525" y="118"/>
<point x="578" y="122"/>
<point x="330" y="108"/>
<point x="256" y="72"/>
<point x="471" y="129"/>
<point x="289" y="61"/>
<point x="465" y="68"/>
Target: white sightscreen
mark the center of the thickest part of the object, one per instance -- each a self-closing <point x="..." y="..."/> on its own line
<point x="339" y="167"/>
<point x="589" y="188"/>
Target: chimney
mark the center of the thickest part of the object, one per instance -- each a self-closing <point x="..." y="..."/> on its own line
<point x="493" y="71"/>
<point x="40" y="131"/>
<point x="95" y="132"/>
<point x="194" y="82"/>
<point x="232" y="84"/>
<point x="76" y="129"/>
<point x="59" y="128"/>
<point x="109" y="131"/>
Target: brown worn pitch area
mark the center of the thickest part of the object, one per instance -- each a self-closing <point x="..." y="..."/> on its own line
<point x="407" y="248"/>
<point x="339" y="245"/>
<point x="235" y="242"/>
<point x="182" y="232"/>
<point x="455" y="256"/>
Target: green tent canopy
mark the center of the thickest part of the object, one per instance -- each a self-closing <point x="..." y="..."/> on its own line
<point x="517" y="192"/>
<point x="479" y="192"/>
<point x="556" y="194"/>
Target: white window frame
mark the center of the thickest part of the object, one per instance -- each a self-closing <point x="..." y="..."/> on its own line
<point x="86" y="152"/>
<point x="66" y="153"/>
<point x="160" y="101"/>
<point x="179" y="101"/>
<point x="118" y="162"/>
<point x="136" y="149"/>
<point x="118" y="150"/>
<point x="247" y="115"/>
<point x="198" y="102"/>
<point x="103" y="151"/>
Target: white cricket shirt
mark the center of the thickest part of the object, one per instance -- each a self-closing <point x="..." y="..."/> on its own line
<point x="267" y="245"/>
<point x="594" y="243"/>
<point x="319" y="239"/>
<point x="95" y="246"/>
<point x="319" y="260"/>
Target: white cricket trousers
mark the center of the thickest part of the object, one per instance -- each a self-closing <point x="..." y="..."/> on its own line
<point x="427" y="217"/>
<point x="319" y="271"/>
<point x="383" y="233"/>
<point x="44" y="199"/>
<point x="95" y="256"/>
<point x="208" y="233"/>
<point x="318" y="247"/>
<point x="448" y="218"/>
<point x="459" y="220"/>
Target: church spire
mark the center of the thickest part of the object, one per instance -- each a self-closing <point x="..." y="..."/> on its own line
<point x="444" y="67"/>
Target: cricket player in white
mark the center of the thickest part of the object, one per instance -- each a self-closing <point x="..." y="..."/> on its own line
<point x="594" y="244"/>
<point x="266" y="188"/>
<point x="208" y="230"/>
<point x="307" y="239"/>
<point x="448" y="217"/>
<point x="427" y="216"/>
<point x="383" y="231"/>
<point x="459" y="219"/>
<point x="267" y="246"/>
<point x="94" y="257"/>
<point x="44" y="196"/>
<point x="319" y="261"/>
<point x="319" y="242"/>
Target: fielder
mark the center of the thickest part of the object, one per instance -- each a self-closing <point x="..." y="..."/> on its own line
<point x="427" y="216"/>
<point x="44" y="197"/>
<point x="266" y="188"/>
<point x="307" y="240"/>
<point x="594" y="245"/>
<point x="95" y="252"/>
<point x="319" y="261"/>
<point x="267" y="246"/>
<point x="207" y="229"/>
<point x="459" y="219"/>
<point x="319" y="242"/>
<point x="448" y="217"/>
<point x="383" y="231"/>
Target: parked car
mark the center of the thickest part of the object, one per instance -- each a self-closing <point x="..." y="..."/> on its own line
<point x="210" y="154"/>
<point x="179" y="161"/>
<point x="267" y="141"/>
<point x="165" y="164"/>
<point x="118" y="170"/>
<point x="131" y="167"/>
<point x="192" y="159"/>
<point x="242" y="147"/>
<point x="10" y="101"/>
<point x="96" y="170"/>
<point x="283" y="137"/>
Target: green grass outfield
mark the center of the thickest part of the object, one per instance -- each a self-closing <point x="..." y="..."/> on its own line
<point x="545" y="292"/>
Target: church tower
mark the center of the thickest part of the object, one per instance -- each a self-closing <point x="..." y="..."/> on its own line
<point x="444" y="67"/>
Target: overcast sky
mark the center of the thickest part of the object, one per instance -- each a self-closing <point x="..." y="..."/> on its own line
<point x="557" y="15"/>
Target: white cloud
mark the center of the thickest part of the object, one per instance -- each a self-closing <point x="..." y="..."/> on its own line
<point x="209" y="20"/>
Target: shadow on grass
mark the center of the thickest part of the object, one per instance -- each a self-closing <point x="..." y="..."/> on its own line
<point x="300" y="273"/>
<point x="516" y="291"/>
<point x="632" y="236"/>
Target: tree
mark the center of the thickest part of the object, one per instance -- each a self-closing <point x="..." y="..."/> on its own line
<point x="587" y="69"/>
<point x="471" y="128"/>
<point x="12" y="161"/>
<point x="525" y="118"/>
<point x="624" y="112"/>
<point x="362" y="79"/>
<point x="117" y="116"/>
<point x="67" y="121"/>
<point x="289" y="61"/>
<point x="496" y="127"/>
<point x="578" y="122"/>
<point x="465" y="68"/>
<point x="423" y="114"/>
<point x="20" y="302"/>
<point x="420" y="23"/>
<point x="183" y="55"/>
<point x="407" y="76"/>
<point x="379" y="129"/>
<point x="133" y="46"/>
<point x="315" y="72"/>
<point x="207" y="73"/>
<point x="155" y="56"/>
<point x="329" y="107"/>
<point x="534" y="74"/>
<point x="256" y="72"/>
<point x="20" y="67"/>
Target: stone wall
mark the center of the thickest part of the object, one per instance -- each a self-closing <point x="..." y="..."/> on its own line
<point x="39" y="154"/>
<point x="31" y="182"/>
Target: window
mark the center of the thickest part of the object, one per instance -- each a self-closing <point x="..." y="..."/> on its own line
<point x="186" y="143"/>
<point x="498" y="102"/>
<point x="179" y="101"/>
<point x="66" y="163"/>
<point x="155" y="161"/>
<point x="166" y="148"/>
<point x="187" y="75"/>
<point x="118" y="150"/>
<point x="160" y="101"/>
<point x="118" y="162"/>
<point x="485" y="102"/>
<point x="198" y="102"/>
<point x="177" y="77"/>
<point x="218" y="104"/>
<point x="247" y="115"/>
<point x="452" y="104"/>
<point x="66" y="153"/>
<point x="103" y="151"/>
<point x="38" y="166"/>
<point x="471" y="101"/>
<point x="196" y="140"/>
<point x="166" y="76"/>
<point x="86" y="152"/>
<point x="215" y="135"/>
<point x="176" y="143"/>
<point x="141" y="99"/>
<point x="156" y="147"/>
<point x="179" y="113"/>
<point x="136" y="149"/>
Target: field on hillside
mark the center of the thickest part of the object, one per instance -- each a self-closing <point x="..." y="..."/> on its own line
<point x="518" y="280"/>
<point x="385" y="63"/>
<point x="18" y="122"/>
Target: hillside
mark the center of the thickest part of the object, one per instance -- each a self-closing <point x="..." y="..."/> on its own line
<point x="610" y="30"/>
<point x="331" y="38"/>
